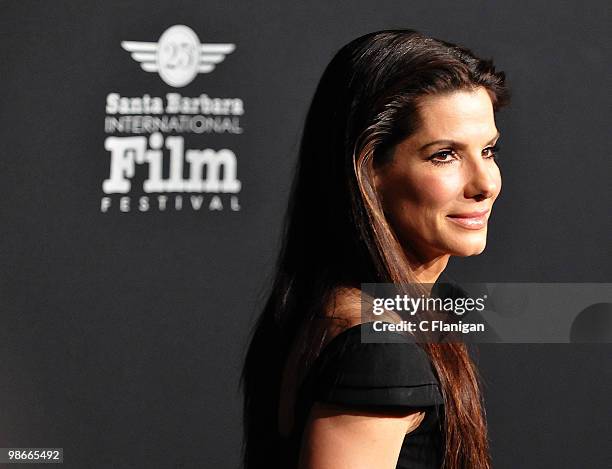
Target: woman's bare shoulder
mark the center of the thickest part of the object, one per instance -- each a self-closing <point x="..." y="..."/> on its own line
<point x="349" y="306"/>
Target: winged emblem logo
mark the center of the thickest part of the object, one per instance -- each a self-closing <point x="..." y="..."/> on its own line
<point x="178" y="56"/>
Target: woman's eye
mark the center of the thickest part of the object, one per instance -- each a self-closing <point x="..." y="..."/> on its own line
<point x="491" y="152"/>
<point x="442" y="157"/>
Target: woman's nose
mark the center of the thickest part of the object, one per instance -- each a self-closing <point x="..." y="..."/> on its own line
<point x="483" y="179"/>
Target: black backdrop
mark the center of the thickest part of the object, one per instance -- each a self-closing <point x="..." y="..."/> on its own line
<point x="122" y="332"/>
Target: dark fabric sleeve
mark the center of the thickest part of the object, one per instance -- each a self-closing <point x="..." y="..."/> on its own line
<point x="350" y="372"/>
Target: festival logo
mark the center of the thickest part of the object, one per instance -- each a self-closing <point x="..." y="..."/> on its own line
<point x="150" y="169"/>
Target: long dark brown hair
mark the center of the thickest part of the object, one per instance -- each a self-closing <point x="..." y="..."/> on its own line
<point x="336" y="232"/>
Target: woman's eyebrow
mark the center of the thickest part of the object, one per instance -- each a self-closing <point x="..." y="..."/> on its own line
<point x="455" y="143"/>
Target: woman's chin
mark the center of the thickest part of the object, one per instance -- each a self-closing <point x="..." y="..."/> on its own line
<point x="468" y="249"/>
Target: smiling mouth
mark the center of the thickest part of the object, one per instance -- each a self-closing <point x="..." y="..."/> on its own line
<point x="470" y="222"/>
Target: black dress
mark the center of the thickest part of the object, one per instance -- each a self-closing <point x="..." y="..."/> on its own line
<point x="394" y="375"/>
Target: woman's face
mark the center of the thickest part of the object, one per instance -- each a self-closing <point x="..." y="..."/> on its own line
<point x="443" y="173"/>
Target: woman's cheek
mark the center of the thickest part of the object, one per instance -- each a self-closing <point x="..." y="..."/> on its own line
<point x="438" y="190"/>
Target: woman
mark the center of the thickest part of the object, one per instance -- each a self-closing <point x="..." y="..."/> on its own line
<point x="396" y="173"/>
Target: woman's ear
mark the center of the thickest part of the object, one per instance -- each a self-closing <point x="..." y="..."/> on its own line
<point x="380" y="166"/>
<point x="378" y="179"/>
<point x="378" y="183"/>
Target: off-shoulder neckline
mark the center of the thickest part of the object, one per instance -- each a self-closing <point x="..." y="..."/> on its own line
<point x="338" y="339"/>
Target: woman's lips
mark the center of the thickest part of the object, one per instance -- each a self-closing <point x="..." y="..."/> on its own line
<point x="471" y="221"/>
